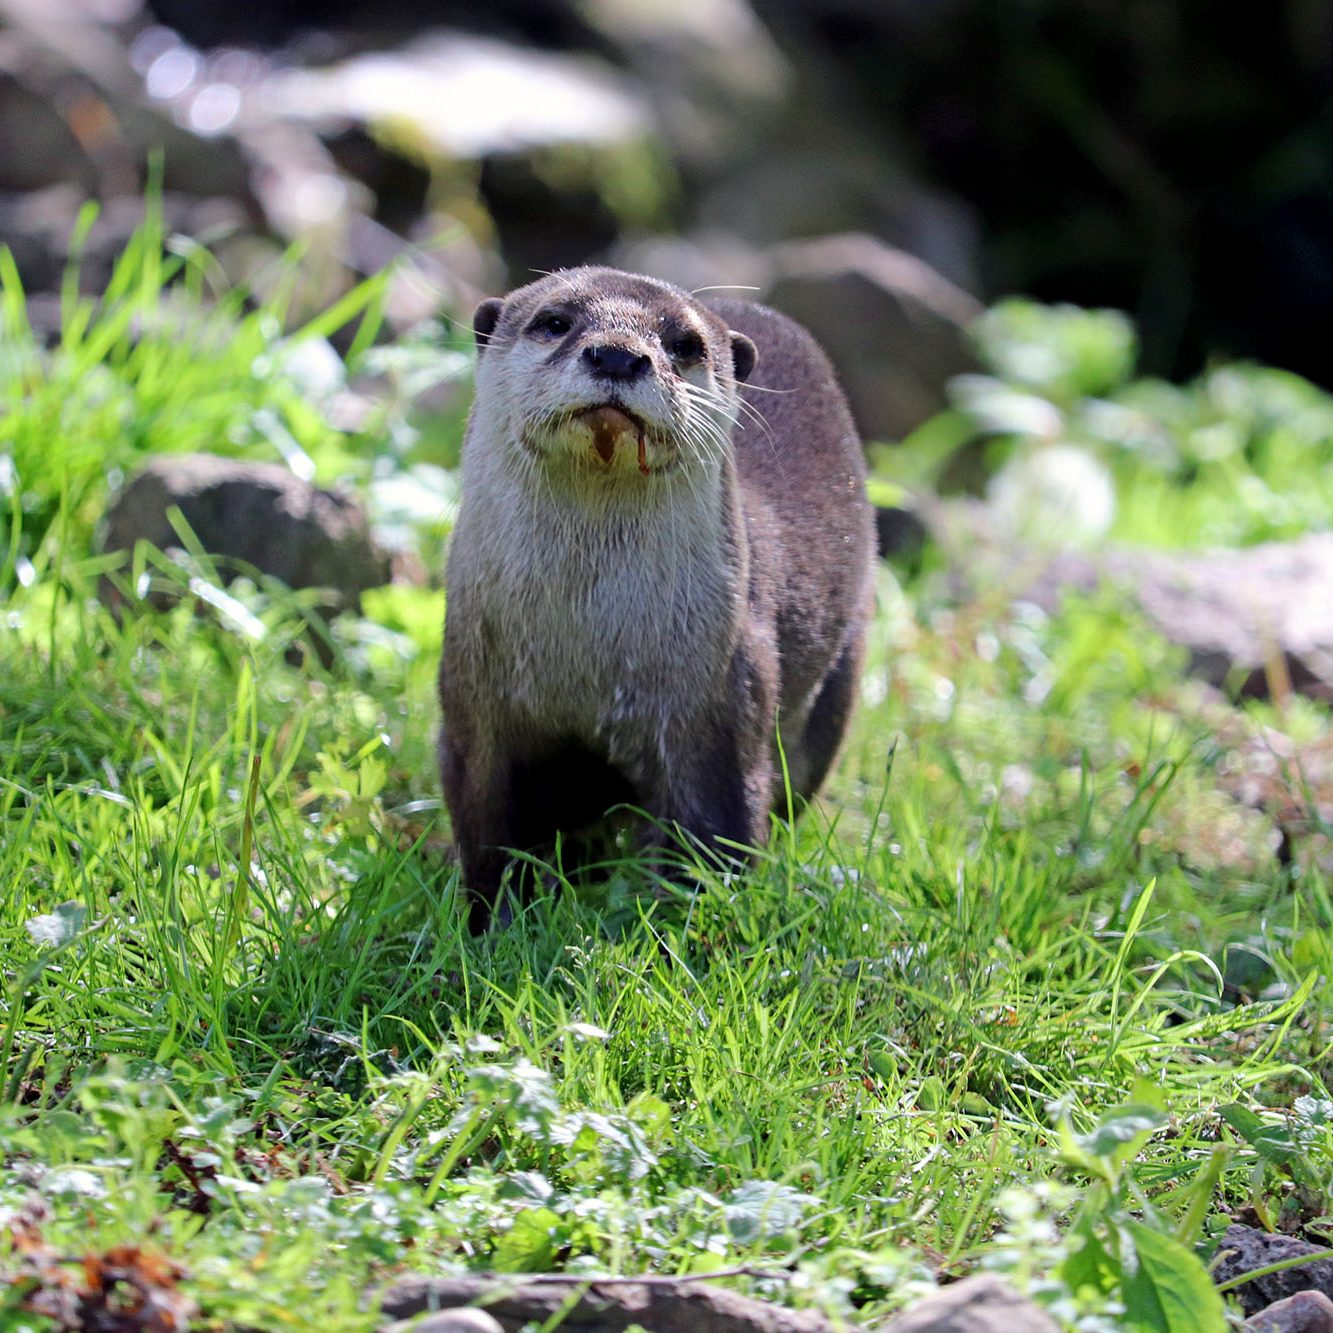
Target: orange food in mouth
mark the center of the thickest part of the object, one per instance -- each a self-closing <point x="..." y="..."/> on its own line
<point x="608" y="424"/>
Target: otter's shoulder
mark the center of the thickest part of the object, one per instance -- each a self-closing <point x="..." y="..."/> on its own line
<point x="795" y="408"/>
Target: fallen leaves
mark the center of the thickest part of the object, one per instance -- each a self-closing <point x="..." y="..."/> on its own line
<point x="124" y="1289"/>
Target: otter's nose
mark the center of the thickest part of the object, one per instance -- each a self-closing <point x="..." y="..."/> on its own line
<point x="615" y="363"/>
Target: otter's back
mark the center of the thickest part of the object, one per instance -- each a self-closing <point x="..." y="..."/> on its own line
<point x="801" y="471"/>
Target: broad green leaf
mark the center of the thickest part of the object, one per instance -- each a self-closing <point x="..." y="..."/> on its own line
<point x="1169" y="1290"/>
<point x="882" y="1065"/>
<point x="653" y="1117"/>
<point x="932" y="1095"/>
<point x="1089" y="1264"/>
<point x="531" y="1244"/>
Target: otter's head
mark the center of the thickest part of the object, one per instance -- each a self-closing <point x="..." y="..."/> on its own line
<point x="595" y="374"/>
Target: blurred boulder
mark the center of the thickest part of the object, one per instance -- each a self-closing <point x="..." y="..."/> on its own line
<point x="895" y="328"/>
<point x="554" y="136"/>
<point x="467" y="97"/>
<point x="700" y="262"/>
<point x="714" y="76"/>
<point x="272" y="23"/>
<point x="251" y="517"/>
<point x="461" y="1319"/>
<point x="40" y="148"/>
<point x="612" y="1305"/>
<point x="813" y="175"/>
<point x="981" y="1304"/>
<point x="38" y="228"/>
<point x="1305" y="1312"/>
<point x="1258" y="619"/>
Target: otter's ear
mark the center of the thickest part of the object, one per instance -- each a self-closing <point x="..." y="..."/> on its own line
<point x="743" y="355"/>
<point x="485" y="318"/>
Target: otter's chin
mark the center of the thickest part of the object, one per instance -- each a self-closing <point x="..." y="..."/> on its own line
<point x="611" y="428"/>
<point x="605" y="438"/>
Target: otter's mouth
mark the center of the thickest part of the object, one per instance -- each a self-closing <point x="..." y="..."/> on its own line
<point x="609" y="424"/>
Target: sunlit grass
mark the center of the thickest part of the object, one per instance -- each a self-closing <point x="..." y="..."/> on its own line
<point x="242" y="1020"/>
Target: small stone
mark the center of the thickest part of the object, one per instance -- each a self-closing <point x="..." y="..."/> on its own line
<point x="1305" y="1312"/>
<point x="464" y="1319"/>
<point x="981" y="1304"/>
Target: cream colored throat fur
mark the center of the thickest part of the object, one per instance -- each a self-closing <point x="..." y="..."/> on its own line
<point x="614" y="620"/>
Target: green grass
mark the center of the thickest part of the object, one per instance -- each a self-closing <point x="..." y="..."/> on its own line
<point x="1026" y="991"/>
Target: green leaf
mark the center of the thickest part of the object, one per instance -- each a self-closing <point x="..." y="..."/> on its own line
<point x="1122" y="1131"/>
<point x="932" y="1095"/>
<point x="1073" y="1153"/>
<point x="653" y="1117"/>
<point x="531" y="1244"/>
<point x="1088" y="1264"/>
<point x="1272" y="1142"/>
<point x="882" y="1065"/>
<point x="1169" y="1290"/>
<point x="1311" y="951"/>
<point x="885" y="494"/>
<point x="764" y="1210"/>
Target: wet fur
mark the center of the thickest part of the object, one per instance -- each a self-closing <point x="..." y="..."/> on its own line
<point x="618" y="637"/>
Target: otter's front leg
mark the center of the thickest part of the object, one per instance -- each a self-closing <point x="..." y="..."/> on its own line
<point x="477" y="790"/>
<point x="716" y="782"/>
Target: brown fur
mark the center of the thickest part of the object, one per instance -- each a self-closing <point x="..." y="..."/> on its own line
<point x="655" y="568"/>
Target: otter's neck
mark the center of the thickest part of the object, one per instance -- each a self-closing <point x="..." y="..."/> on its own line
<point x="554" y="534"/>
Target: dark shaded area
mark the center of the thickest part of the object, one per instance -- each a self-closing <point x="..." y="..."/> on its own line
<point x="282" y="22"/>
<point x="1171" y="158"/>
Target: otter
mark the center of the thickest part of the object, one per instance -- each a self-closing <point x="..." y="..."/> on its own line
<point x="660" y="578"/>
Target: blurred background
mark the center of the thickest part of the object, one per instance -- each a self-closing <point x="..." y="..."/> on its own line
<point x="1162" y="157"/>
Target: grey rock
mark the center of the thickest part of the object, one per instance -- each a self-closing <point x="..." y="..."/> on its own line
<point x="1244" y="1249"/>
<point x="604" y="1305"/>
<point x="699" y="261"/>
<point x="713" y="73"/>
<point x="252" y="516"/>
<point x="535" y="99"/>
<point x="811" y="175"/>
<point x="1258" y="619"/>
<point x="1246" y="616"/>
<point x="981" y="1304"/>
<point x="894" y="327"/>
<point x="1305" y="1312"/>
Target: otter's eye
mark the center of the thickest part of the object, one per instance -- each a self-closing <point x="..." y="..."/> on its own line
<point x="684" y="347"/>
<point x="550" y="324"/>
